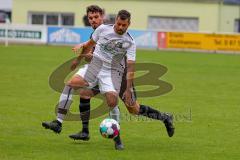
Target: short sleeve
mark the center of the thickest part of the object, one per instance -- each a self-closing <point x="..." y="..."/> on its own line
<point x="96" y="33"/>
<point x="131" y="52"/>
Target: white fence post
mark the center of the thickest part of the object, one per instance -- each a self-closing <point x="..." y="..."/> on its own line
<point x="7" y="22"/>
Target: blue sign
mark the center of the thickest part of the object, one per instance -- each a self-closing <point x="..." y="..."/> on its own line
<point x="72" y="36"/>
<point x="232" y="1"/>
<point x="62" y="35"/>
<point x="144" y="39"/>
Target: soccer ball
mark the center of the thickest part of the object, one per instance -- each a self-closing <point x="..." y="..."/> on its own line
<point x="109" y="128"/>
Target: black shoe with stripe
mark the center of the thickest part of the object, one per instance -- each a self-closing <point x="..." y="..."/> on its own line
<point x="55" y="126"/>
<point x="118" y="143"/>
<point x="80" y="136"/>
<point x="169" y="125"/>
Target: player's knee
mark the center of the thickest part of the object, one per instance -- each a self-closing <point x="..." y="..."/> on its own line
<point x="111" y="99"/>
<point x="112" y="103"/>
<point x="85" y="97"/>
<point x="85" y="94"/>
<point x="72" y="85"/>
<point x="77" y="82"/>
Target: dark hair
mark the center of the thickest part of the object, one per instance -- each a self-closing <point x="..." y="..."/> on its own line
<point x="124" y="14"/>
<point x="94" y="8"/>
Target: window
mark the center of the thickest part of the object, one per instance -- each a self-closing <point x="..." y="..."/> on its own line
<point x="65" y="19"/>
<point x="173" y="23"/>
<point x="109" y="18"/>
<point x="237" y="25"/>
<point x="4" y="15"/>
<point x="52" y="19"/>
<point x="37" y="19"/>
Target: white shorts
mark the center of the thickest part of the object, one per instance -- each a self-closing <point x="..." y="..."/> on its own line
<point x="108" y="80"/>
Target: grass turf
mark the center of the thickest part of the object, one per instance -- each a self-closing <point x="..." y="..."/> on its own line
<point x="205" y="102"/>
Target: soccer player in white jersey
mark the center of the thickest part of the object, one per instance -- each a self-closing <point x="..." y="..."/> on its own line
<point x="136" y="108"/>
<point x="95" y="16"/>
<point x="113" y="43"/>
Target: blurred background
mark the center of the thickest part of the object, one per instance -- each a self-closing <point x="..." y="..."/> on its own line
<point x="174" y="15"/>
<point x="157" y="18"/>
<point x="38" y="35"/>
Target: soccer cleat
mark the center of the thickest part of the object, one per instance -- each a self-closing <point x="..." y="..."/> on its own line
<point x="169" y="125"/>
<point x="118" y="143"/>
<point x="80" y="136"/>
<point x="119" y="146"/>
<point x="55" y="126"/>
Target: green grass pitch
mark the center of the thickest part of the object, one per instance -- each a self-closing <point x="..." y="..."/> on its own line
<point x="205" y="101"/>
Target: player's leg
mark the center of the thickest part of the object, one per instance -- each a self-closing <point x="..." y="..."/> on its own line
<point x="64" y="103"/>
<point x="110" y="85"/>
<point x="144" y="110"/>
<point x="65" y="100"/>
<point x="77" y="81"/>
<point x="84" y="109"/>
<point x="166" y="118"/>
<point x="112" y="100"/>
<point x="115" y="114"/>
<point x="85" y="95"/>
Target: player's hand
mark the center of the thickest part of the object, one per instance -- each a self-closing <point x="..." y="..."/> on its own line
<point x="88" y="57"/>
<point x="127" y="95"/>
<point x="78" y="49"/>
<point x="74" y="64"/>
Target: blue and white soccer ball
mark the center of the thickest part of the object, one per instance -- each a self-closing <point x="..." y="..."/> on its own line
<point x="109" y="128"/>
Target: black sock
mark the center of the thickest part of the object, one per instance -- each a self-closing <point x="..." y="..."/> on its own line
<point x="151" y="113"/>
<point x="84" y="108"/>
<point x="117" y="139"/>
<point x="59" y="123"/>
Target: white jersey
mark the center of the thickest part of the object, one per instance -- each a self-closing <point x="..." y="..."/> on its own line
<point x="111" y="48"/>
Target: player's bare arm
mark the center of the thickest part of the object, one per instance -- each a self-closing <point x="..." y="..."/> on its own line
<point x="76" y="62"/>
<point x="87" y="47"/>
<point x="130" y="77"/>
<point x="82" y="52"/>
<point x="88" y="57"/>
